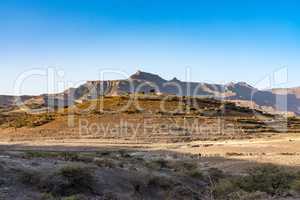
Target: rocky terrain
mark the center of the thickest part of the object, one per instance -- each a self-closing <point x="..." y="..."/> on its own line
<point x="147" y="119"/>
<point x="148" y="146"/>
<point x="139" y="173"/>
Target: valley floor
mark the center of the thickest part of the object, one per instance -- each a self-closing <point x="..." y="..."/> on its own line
<point x="280" y="149"/>
<point x="94" y="169"/>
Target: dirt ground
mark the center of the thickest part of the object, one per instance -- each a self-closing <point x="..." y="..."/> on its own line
<point x="125" y="169"/>
<point x="280" y="149"/>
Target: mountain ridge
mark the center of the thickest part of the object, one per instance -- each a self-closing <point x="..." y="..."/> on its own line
<point x="144" y="82"/>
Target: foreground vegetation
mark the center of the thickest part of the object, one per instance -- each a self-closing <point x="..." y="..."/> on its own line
<point x="124" y="174"/>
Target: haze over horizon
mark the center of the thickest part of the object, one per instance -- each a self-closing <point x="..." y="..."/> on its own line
<point x="219" y="42"/>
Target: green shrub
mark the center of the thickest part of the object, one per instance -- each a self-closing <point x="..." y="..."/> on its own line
<point x="71" y="180"/>
<point x="224" y="187"/>
<point x="189" y="166"/>
<point x="161" y="182"/>
<point x="29" y="177"/>
<point x="19" y="123"/>
<point x="161" y="163"/>
<point x="196" y="174"/>
<point x="67" y="156"/>
<point x="41" y="120"/>
<point x="270" y="179"/>
<point x="74" y="197"/>
<point x="295" y="185"/>
<point x="70" y="156"/>
<point x="106" y="163"/>
<point x="48" y="196"/>
<point x="157" y="164"/>
<point x="260" y="181"/>
<point x="215" y="175"/>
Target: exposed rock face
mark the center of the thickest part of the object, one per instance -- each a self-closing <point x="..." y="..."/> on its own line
<point x="143" y="82"/>
<point x="144" y="76"/>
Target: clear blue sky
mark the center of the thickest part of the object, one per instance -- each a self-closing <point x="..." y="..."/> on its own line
<point x="220" y="41"/>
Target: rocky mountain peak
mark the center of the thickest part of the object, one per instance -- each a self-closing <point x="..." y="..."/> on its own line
<point x="239" y="85"/>
<point x="145" y="76"/>
<point x="175" y="80"/>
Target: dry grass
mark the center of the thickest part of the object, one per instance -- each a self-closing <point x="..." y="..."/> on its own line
<point x="19" y="120"/>
<point x="176" y="177"/>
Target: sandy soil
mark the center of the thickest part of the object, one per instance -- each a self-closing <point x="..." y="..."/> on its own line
<point x="282" y="149"/>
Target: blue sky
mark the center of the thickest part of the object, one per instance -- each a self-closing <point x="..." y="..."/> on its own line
<point x="220" y="41"/>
